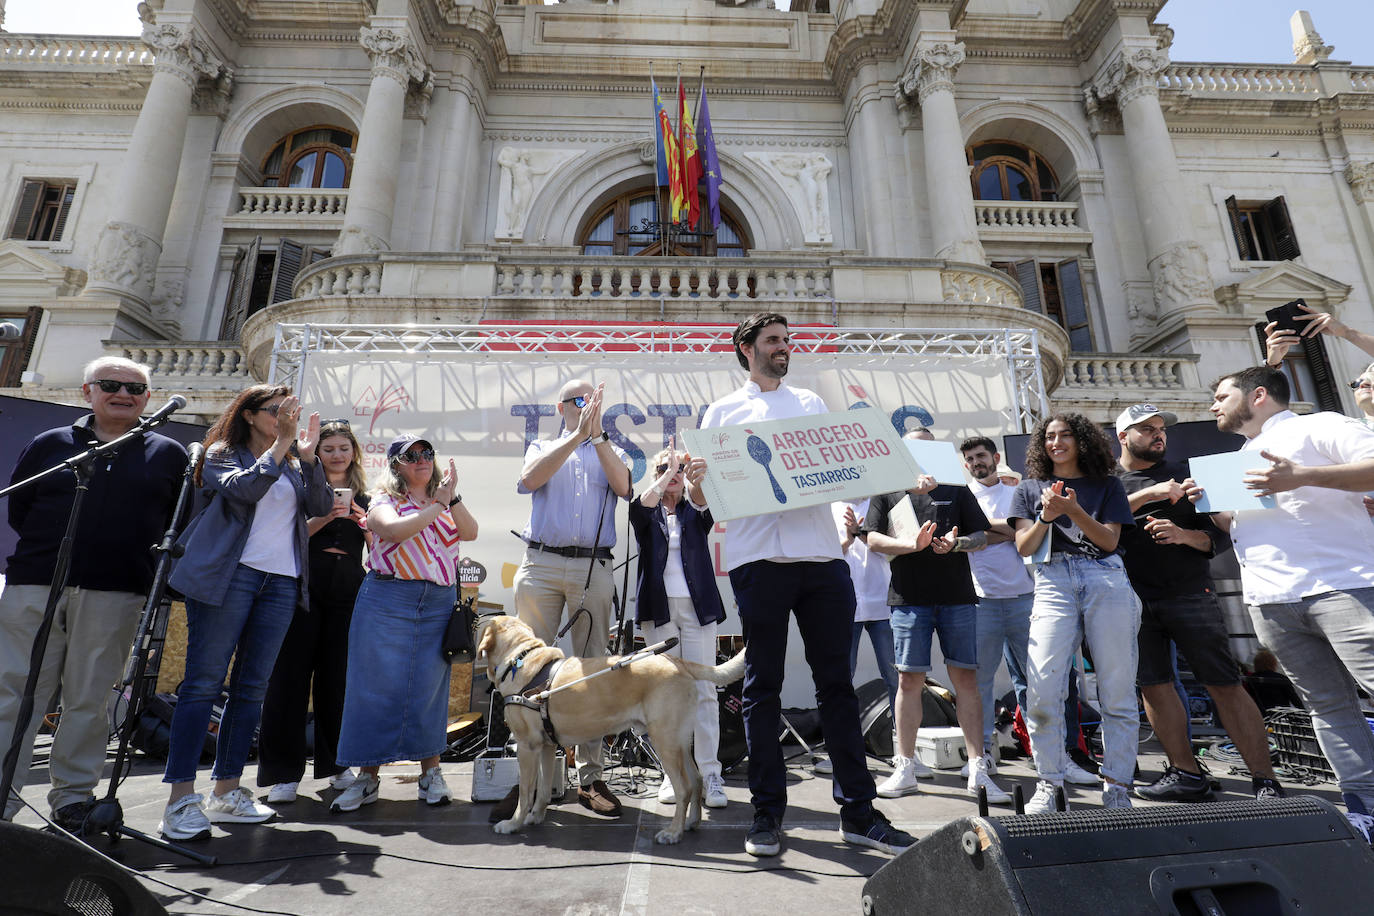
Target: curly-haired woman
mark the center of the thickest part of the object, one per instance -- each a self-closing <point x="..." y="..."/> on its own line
<point x="1071" y="496"/>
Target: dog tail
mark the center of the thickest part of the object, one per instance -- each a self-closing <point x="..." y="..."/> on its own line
<point x="720" y="675"/>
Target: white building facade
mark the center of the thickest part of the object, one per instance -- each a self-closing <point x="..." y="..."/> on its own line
<point x="886" y="163"/>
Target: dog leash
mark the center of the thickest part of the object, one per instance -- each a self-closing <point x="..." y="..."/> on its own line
<point x="656" y="649"/>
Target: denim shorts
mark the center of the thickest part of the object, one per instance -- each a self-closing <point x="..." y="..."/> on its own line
<point x="914" y="625"/>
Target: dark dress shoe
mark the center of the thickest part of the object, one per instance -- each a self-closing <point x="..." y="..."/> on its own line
<point x="504" y="810"/>
<point x="598" y="798"/>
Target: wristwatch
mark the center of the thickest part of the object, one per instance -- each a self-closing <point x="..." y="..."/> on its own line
<point x="597" y="440"/>
<point x="458" y="497"/>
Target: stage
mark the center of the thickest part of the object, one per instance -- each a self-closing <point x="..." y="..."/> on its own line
<point x="398" y="856"/>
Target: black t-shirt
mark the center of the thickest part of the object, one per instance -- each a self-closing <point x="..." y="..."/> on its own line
<point x="925" y="577"/>
<point x="342" y="534"/>
<point x="1104" y="499"/>
<point x="1167" y="570"/>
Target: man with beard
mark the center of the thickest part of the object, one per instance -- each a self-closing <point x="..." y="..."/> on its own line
<point x="783" y="564"/>
<point x="1307" y="565"/>
<point x="1167" y="555"/>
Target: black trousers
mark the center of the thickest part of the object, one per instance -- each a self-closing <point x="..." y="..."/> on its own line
<point x="821" y="595"/>
<point x="315" y="653"/>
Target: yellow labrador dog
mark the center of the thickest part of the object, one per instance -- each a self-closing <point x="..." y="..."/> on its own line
<point x="656" y="694"/>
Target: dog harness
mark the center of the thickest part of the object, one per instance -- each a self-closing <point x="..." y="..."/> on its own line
<point x="528" y="698"/>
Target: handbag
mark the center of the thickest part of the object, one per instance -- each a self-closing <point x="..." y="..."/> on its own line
<point x="459" y="636"/>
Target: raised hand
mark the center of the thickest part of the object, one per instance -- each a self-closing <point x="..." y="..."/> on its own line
<point x="1053" y="503"/>
<point x="924" y="536"/>
<point x="924" y="484"/>
<point x="448" y="485"/>
<point x="288" y="412"/>
<point x="589" y="421"/>
<point x="947" y="543"/>
<point x="1277" y="343"/>
<point x="1281" y="476"/>
<point x="308" y="438"/>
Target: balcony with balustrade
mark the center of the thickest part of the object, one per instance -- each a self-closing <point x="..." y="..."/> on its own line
<point x="289" y="208"/>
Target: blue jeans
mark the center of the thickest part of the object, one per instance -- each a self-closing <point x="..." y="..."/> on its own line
<point x="1003" y="627"/>
<point x="1078" y="596"/>
<point x="880" y="634"/>
<point x="249" y="628"/>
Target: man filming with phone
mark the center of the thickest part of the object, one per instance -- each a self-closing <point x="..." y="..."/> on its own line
<point x="126" y="510"/>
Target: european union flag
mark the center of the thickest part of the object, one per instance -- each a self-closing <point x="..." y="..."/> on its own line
<point x="706" y="144"/>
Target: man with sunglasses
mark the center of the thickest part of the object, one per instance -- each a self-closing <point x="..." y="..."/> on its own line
<point x="127" y="509"/>
<point x="574" y="482"/>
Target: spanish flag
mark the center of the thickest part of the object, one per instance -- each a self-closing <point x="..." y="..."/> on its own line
<point x="691" y="160"/>
<point x="669" y="158"/>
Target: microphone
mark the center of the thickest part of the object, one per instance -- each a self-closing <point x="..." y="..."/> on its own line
<point x="194" y="452"/>
<point x="10" y="331"/>
<point x="174" y="403"/>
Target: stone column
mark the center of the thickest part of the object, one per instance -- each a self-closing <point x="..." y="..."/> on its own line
<point x="126" y="254"/>
<point x="875" y="170"/>
<point x="930" y="79"/>
<point x="456" y="170"/>
<point x="1177" y="263"/>
<point x="372" y="188"/>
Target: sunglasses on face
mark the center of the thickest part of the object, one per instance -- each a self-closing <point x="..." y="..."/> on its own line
<point x="110" y="386"/>
<point x="1361" y="383"/>
<point x="580" y="400"/>
<point x="424" y="454"/>
<point x="343" y="423"/>
<point x="269" y="409"/>
<point x="663" y="467"/>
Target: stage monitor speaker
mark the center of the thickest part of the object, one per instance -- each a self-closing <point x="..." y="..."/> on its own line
<point x="1288" y="857"/>
<point x="875" y="718"/>
<point x="42" y="874"/>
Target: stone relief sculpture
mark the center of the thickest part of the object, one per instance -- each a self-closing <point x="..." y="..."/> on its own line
<point x="804" y="178"/>
<point x="1181" y="278"/>
<point x="1360" y="175"/>
<point x="125" y="259"/>
<point x="524" y="173"/>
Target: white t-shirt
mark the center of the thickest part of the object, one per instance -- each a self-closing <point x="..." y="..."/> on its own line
<point x="998" y="570"/>
<point x="1315" y="539"/>
<point x="270" y="547"/>
<point x="785" y="537"/>
<point x="674" y="576"/>
<point x="869" y="571"/>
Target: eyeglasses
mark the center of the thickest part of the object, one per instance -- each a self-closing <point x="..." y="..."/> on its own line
<point x="579" y="399"/>
<point x="663" y="467"/>
<point x="1361" y="383"/>
<point x="110" y="386"/>
<point x="269" y="409"/>
<point x="343" y="423"/>
<point x="424" y="454"/>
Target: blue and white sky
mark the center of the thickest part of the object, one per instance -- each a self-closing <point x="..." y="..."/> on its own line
<point x="1242" y="31"/>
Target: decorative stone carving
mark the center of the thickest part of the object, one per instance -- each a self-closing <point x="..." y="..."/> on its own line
<point x="212" y="96"/>
<point x="418" y="98"/>
<point x="1360" y="175"/>
<point x="1131" y="75"/>
<point x="1181" y="278"/>
<point x="804" y="178"/>
<point x="182" y="53"/>
<point x="524" y="173"/>
<point x="125" y="259"/>
<point x="1140" y="309"/>
<point x="966" y="251"/>
<point x="931" y="70"/>
<point x="166" y="303"/>
<point x="1308" y="47"/>
<point x="394" y="55"/>
<point x="355" y="240"/>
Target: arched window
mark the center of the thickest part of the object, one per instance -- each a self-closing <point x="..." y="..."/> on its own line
<point x="616" y="229"/>
<point x="316" y="157"/>
<point x="1003" y="170"/>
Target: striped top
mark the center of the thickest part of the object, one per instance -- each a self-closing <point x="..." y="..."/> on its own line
<point x="431" y="555"/>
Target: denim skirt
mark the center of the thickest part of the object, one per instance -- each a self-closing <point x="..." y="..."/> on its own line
<point x="396" y="700"/>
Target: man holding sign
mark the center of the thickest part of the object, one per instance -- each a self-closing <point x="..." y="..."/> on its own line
<point x="1307" y="565"/>
<point x="784" y="563"/>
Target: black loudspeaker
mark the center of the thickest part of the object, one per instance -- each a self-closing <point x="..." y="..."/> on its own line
<point x="875" y="718"/>
<point x="46" y="875"/>
<point x="1288" y="857"/>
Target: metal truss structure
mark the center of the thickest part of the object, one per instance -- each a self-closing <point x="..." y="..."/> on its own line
<point x="1018" y="347"/>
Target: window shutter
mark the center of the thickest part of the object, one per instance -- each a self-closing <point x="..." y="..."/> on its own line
<point x="240" y="288"/>
<point x="68" y="195"/>
<point x="1243" y="246"/>
<point x="1285" y="242"/>
<point x="1027" y="273"/>
<point x="1075" y="306"/>
<point x="1319" y="364"/>
<point x="290" y="256"/>
<point x="30" y="197"/>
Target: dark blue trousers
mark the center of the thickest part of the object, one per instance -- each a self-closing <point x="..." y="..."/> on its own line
<point x="821" y="595"/>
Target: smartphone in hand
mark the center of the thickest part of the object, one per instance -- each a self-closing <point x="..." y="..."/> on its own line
<point x="1286" y="317"/>
<point x="343" y="496"/>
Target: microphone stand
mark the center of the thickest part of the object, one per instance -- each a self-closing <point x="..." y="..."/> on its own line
<point x="83" y="466"/>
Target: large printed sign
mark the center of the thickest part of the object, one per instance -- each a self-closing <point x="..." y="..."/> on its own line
<point x="777" y="465"/>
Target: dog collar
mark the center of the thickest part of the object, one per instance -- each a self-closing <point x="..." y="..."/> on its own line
<point x="515" y="664"/>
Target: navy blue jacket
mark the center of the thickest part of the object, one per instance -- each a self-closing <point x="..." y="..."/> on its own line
<point x="651" y="532"/>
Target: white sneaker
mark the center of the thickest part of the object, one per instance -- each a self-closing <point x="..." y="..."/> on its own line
<point x="433" y="789"/>
<point x="1075" y="775"/>
<point x="1362" y="824"/>
<point x="364" y="791"/>
<point x="992" y="765"/>
<point x="901" y="782"/>
<point x="283" y="793"/>
<point x="343" y="780"/>
<point x="919" y="768"/>
<point x="1114" y="796"/>
<point x="713" y="792"/>
<point x="237" y="806"/>
<point x="980" y="777"/>
<point x="184" y="819"/>
<point x="822" y="765"/>
<point x="1042" y="802"/>
<point x="666" y="795"/>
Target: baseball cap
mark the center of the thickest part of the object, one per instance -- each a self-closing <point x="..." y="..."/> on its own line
<point x="1139" y="413"/>
<point x="401" y="443"/>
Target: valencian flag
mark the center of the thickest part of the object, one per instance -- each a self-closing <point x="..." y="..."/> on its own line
<point x="665" y="142"/>
<point x="691" y="160"/>
<point x="710" y="163"/>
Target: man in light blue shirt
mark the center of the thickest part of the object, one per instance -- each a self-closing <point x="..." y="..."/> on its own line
<point x="574" y="482"/>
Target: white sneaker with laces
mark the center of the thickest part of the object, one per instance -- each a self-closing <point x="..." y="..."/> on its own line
<point x="713" y="792"/>
<point x="283" y="793"/>
<point x="432" y="788"/>
<point x="184" y="819"/>
<point x="1363" y="825"/>
<point x="364" y="791"/>
<point x="343" y="780"/>
<point x="992" y="765"/>
<point x="901" y="782"/>
<point x="1075" y="775"/>
<point x="237" y="806"/>
<point x="1114" y="796"/>
<point x="1042" y="802"/>
<point x="919" y="768"/>
<point x="980" y="777"/>
<point x="666" y="795"/>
